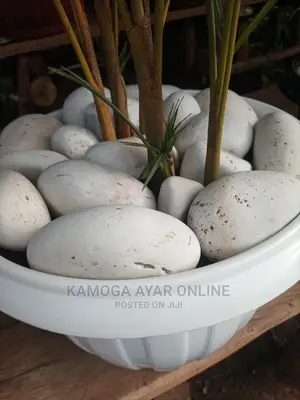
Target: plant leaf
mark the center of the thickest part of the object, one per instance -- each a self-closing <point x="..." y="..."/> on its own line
<point x="77" y="79"/>
<point x="212" y="41"/>
<point x="173" y="129"/>
<point x="254" y="24"/>
<point x="219" y="17"/>
<point x="125" y="56"/>
<point x="134" y="144"/>
<point x="153" y="169"/>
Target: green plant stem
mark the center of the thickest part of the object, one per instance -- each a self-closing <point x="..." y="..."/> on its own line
<point x="167" y="5"/>
<point x="138" y="12"/>
<point x="103" y="12"/>
<point x="254" y="24"/>
<point x="212" y="42"/>
<point x="76" y="21"/>
<point x="230" y="55"/>
<point x="106" y="124"/>
<point x="218" y="100"/>
<point x="167" y="169"/>
<point x="125" y="14"/>
<point x="124" y="62"/>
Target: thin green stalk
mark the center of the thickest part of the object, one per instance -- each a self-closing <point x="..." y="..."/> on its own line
<point x="167" y="5"/>
<point x="219" y="16"/>
<point x="125" y="14"/>
<point x="212" y="42"/>
<point x="124" y="62"/>
<point x="223" y="56"/>
<point x="218" y="100"/>
<point x="254" y="24"/>
<point x="76" y="22"/>
<point x="138" y="12"/>
<point x="230" y="55"/>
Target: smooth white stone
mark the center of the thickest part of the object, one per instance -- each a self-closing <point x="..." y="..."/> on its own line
<point x="114" y="242"/>
<point x="235" y="104"/>
<point x="277" y="144"/>
<point x="192" y="92"/>
<point x="30" y="163"/>
<point x="120" y="156"/>
<point x="235" y="213"/>
<point x="29" y="132"/>
<point x="238" y="123"/>
<point x="187" y="109"/>
<point x="176" y="196"/>
<point x="194" y="132"/>
<point x="193" y="163"/>
<point x="73" y="141"/>
<point x="92" y="121"/>
<point x="237" y="135"/>
<point x="132" y="91"/>
<point x="58" y="114"/>
<point x="75" y="104"/>
<point x="22" y="210"/>
<point x="79" y="184"/>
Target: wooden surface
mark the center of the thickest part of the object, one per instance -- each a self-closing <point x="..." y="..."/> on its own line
<point x="38" y="365"/>
<point x="29" y="46"/>
<point x="257" y="62"/>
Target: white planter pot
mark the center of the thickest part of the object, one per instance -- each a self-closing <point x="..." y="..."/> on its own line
<point x="126" y="325"/>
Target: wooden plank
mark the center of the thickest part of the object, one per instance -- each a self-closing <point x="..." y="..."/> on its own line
<point x="30" y="46"/>
<point x="39" y="365"/>
<point x="181" y="392"/>
<point x="259" y="61"/>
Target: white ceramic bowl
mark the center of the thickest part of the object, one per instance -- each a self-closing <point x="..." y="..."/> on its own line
<point x="180" y="318"/>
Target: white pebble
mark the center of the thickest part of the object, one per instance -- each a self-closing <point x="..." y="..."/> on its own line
<point x="75" y="104"/>
<point x="30" y="163"/>
<point x="188" y="106"/>
<point x="236" y="213"/>
<point x="193" y="163"/>
<point x="235" y="103"/>
<point x="79" y="184"/>
<point x="114" y="242"/>
<point x="22" y="210"/>
<point x="120" y="156"/>
<point x="277" y="144"/>
<point x="176" y="195"/>
<point x="73" y="141"/>
<point x="29" y="132"/>
<point x="92" y="120"/>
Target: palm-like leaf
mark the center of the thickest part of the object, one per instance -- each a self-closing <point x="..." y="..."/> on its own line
<point x="254" y="24"/>
<point x="219" y="16"/>
<point x="66" y="73"/>
<point x="159" y="157"/>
